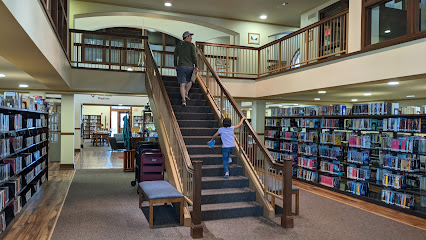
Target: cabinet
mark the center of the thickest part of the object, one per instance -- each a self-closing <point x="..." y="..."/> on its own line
<point x="90" y="123"/>
<point x="23" y="160"/>
<point x="373" y="157"/>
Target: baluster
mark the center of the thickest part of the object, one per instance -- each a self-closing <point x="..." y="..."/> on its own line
<point x="196" y="227"/>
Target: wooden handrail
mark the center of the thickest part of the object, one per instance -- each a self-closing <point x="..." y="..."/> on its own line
<point x="240" y="113"/>
<point x="225" y="45"/>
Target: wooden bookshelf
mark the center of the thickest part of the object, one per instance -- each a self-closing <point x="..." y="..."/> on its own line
<point x="90" y="123"/>
<point x="23" y="159"/>
<point x="342" y="175"/>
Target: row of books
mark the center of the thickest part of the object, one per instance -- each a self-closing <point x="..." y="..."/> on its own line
<point x="22" y="101"/>
<point x="289" y="135"/>
<point x="10" y="122"/>
<point x="307" y="149"/>
<point x="362" y="173"/>
<point x="305" y="174"/>
<point x="272" y="144"/>
<point x="401" y="162"/>
<point x="404" y="125"/>
<point x="398" y="199"/>
<point x="363" y="141"/>
<point x="360" y="157"/>
<point x="331" y="138"/>
<point x="310" y="163"/>
<point x="394" y="180"/>
<point x="4" y="196"/>
<point x="409" y="144"/>
<point x="331" y="167"/>
<point x="329" y="181"/>
<point x="330" y="152"/>
<point x="4" y="172"/>
<point x="357" y="188"/>
<point x="272" y="133"/>
<point x="288" y="147"/>
<point x="380" y="108"/>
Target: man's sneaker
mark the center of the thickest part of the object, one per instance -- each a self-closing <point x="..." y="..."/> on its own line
<point x="183" y="103"/>
<point x="229" y="160"/>
<point x="226" y="175"/>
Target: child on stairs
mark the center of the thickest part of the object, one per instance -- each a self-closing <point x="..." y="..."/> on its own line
<point x="228" y="143"/>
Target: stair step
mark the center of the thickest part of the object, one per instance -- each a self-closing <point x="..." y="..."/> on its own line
<point x="217" y="170"/>
<point x="173" y="89"/>
<point x="193" y="96"/>
<point x="226" y="195"/>
<point x="194" y="116"/>
<point x="211" y="159"/>
<point x="230" y="210"/>
<point x="192" y="109"/>
<point x="199" y="123"/>
<point x="198" y="140"/>
<point x="203" y="149"/>
<point x="221" y="182"/>
<point x="198" y="131"/>
<point x="178" y="102"/>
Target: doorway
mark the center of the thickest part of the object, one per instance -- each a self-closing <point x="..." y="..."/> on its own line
<point x="117" y="115"/>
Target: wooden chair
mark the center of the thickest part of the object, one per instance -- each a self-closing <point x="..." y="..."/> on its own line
<point x="129" y="160"/>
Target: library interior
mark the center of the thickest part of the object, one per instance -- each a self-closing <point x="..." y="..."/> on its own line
<point x="326" y="101"/>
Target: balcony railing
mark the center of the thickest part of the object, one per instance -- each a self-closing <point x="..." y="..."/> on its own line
<point x="322" y="40"/>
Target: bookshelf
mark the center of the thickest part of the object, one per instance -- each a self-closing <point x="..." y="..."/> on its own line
<point x="148" y="127"/>
<point x="24" y="137"/>
<point x="90" y="123"/>
<point x="378" y="158"/>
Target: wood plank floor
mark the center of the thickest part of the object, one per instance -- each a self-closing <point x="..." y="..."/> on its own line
<point x="369" y="207"/>
<point x="39" y="217"/>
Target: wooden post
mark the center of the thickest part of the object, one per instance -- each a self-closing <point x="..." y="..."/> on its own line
<point x="287" y="218"/>
<point x="196" y="227"/>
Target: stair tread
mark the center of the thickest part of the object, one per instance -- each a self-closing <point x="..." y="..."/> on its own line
<point x="198" y="128"/>
<point x="231" y="205"/>
<point x="221" y="178"/>
<point x="220" y="191"/>
<point x="220" y="166"/>
<point x="206" y="155"/>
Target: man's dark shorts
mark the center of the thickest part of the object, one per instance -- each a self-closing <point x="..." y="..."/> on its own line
<point x="184" y="74"/>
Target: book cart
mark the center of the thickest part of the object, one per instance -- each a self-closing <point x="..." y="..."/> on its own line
<point x="23" y="160"/>
<point x="374" y="156"/>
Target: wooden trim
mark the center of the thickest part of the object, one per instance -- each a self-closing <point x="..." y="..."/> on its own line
<point x="77" y="128"/>
<point x="108" y="34"/>
<point x="67" y="133"/>
<point x="77" y="150"/>
<point x="67" y="166"/>
<point x="225" y="45"/>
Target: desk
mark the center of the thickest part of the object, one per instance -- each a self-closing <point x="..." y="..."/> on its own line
<point x="101" y="136"/>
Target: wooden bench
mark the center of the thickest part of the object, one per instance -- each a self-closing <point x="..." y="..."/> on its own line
<point x="158" y="192"/>
<point x="294" y="191"/>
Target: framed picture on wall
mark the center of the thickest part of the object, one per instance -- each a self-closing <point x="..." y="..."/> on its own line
<point x="254" y="38"/>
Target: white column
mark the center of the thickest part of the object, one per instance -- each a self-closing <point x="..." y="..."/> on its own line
<point x="77" y="129"/>
<point x="354" y="26"/>
<point x="258" y="116"/>
<point x="67" y="131"/>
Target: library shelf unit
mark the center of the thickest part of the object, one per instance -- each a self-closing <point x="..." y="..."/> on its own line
<point x="90" y="123"/>
<point x="377" y="158"/>
<point x="148" y="127"/>
<point x="23" y="160"/>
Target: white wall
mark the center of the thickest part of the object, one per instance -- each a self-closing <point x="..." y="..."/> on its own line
<point x="238" y="29"/>
<point x="304" y="21"/>
<point x="103" y="111"/>
<point x="108" y="81"/>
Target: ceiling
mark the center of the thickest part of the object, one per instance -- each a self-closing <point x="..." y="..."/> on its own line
<point x="15" y="76"/>
<point x="380" y="91"/>
<point x="247" y="10"/>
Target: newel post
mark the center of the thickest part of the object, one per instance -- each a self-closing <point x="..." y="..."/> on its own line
<point x="287" y="218"/>
<point x="196" y="227"/>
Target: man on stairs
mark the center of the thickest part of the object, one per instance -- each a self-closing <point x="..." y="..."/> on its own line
<point x="185" y="61"/>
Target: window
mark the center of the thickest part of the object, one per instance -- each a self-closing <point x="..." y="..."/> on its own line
<point x="392" y="19"/>
<point x="296" y="59"/>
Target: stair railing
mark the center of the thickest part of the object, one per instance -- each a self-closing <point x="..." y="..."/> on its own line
<point x="171" y="138"/>
<point x="264" y="171"/>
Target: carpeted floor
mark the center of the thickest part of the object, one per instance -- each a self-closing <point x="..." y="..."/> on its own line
<point x="101" y="204"/>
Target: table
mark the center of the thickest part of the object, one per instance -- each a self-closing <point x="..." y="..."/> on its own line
<point x="101" y="136"/>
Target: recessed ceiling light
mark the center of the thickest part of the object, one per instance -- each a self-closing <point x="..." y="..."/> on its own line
<point x="354" y="100"/>
<point x="263" y="17"/>
<point x="393" y="83"/>
<point x="296" y="104"/>
<point x="130" y="69"/>
<point x="2" y="75"/>
<point x="367" y="94"/>
<point x="23" y="85"/>
<point x="387" y="31"/>
<point x="285" y="3"/>
<point x="322" y="91"/>
<point x="120" y="104"/>
<point x="280" y="105"/>
<point x="411" y="95"/>
<point x="168" y="4"/>
<point x="250" y="109"/>
<point x="317" y="99"/>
